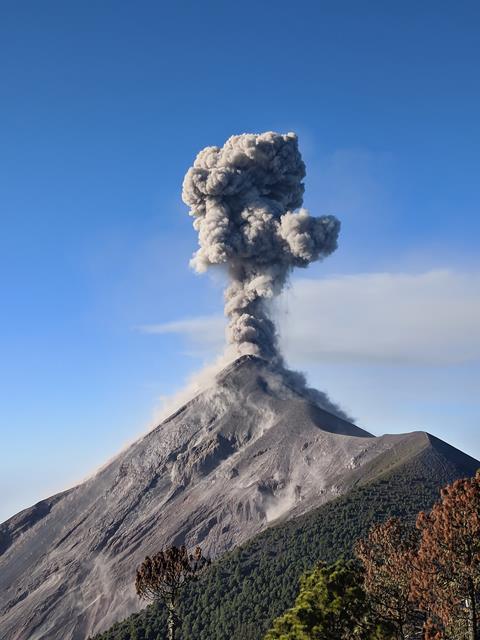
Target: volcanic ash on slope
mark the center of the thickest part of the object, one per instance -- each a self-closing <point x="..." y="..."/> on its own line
<point x="246" y="451"/>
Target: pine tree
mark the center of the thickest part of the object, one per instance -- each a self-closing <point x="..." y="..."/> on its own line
<point x="162" y="576"/>
<point x="388" y="558"/>
<point x="331" y="605"/>
<point x="447" y="580"/>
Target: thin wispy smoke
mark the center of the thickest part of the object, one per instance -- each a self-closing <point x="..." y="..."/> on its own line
<point x="243" y="197"/>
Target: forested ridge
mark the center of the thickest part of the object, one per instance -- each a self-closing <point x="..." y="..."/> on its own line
<point x="242" y="592"/>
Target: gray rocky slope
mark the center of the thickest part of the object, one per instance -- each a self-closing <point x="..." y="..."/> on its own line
<point x="245" y="453"/>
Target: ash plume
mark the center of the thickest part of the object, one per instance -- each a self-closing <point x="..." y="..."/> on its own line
<point x="243" y="198"/>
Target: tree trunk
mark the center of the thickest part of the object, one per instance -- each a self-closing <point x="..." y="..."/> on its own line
<point x="171" y="620"/>
<point x="473" y="631"/>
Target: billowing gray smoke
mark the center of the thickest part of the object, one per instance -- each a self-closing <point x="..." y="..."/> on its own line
<point x="243" y="198"/>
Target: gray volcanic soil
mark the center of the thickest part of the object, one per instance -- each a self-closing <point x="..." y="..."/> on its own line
<point x="244" y="453"/>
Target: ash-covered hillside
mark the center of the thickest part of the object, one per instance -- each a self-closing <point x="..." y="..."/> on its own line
<point x="245" y="590"/>
<point x="255" y="448"/>
<point x="245" y="453"/>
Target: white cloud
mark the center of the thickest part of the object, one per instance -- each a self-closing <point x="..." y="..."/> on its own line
<point x="208" y="332"/>
<point x="429" y="318"/>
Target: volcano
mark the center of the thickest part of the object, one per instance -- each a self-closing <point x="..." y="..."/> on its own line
<point x="250" y="451"/>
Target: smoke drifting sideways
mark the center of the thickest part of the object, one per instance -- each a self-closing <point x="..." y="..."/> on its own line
<point x="244" y="198"/>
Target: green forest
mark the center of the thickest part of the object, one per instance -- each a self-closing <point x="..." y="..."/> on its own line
<point x="241" y="593"/>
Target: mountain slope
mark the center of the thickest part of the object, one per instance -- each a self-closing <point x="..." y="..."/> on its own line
<point x="228" y="464"/>
<point x="247" y="588"/>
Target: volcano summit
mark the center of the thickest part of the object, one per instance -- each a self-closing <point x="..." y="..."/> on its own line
<point x="256" y="447"/>
<point x="247" y="452"/>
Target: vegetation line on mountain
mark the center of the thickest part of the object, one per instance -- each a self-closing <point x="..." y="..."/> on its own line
<point x="244" y="591"/>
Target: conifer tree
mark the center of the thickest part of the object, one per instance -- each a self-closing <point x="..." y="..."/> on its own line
<point x="162" y="576"/>
<point x="388" y="558"/>
<point x="331" y="605"/>
<point x="447" y="580"/>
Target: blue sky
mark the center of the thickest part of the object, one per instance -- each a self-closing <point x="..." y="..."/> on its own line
<point x="103" y="107"/>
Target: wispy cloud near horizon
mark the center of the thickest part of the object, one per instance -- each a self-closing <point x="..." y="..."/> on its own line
<point x="429" y="318"/>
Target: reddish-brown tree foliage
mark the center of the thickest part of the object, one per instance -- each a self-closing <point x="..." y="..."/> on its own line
<point x="387" y="554"/>
<point x="161" y="577"/>
<point x="446" y="582"/>
<point x="432" y="631"/>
